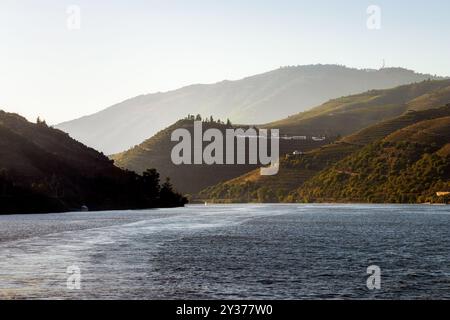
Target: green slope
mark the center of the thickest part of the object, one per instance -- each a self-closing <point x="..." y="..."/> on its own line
<point x="346" y="115"/>
<point x="301" y="172"/>
<point x="410" y="165"/>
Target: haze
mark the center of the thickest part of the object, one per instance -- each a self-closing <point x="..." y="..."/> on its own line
<point x="128" y="48"/>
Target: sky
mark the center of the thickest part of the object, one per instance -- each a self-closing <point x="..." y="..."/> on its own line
<point x="60" y="67"/>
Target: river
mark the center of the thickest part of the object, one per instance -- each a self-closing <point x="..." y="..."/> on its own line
<point x="228" y="252"/>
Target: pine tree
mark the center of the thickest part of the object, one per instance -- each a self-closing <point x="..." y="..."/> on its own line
<point x="150" y="180"/>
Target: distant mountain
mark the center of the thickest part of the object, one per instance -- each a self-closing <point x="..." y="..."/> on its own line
<point x="44" y="170"/>
<point x="254" y="100"/>
<point x="404" y="159"/>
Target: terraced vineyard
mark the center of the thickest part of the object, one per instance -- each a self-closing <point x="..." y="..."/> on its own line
<point x="410" y="165"/>
<point x="347" y="115"/>
<point x="303" y="178"/>
<point x="385" y="128"/>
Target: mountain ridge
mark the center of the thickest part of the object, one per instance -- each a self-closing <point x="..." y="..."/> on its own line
<point x="255" y="99"/>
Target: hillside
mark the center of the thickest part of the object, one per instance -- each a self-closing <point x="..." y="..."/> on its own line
<point x="408" y="166"/>
<point x="254" y="100"/>
<point x="323" y="174"/>
<point x="44" y="170"/>
<point x="156" y="153"/>
<point x="349" y="114"/>
<point x="344" y="115"/>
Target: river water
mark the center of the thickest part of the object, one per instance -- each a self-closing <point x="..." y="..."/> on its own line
<point x="229" y="252"/>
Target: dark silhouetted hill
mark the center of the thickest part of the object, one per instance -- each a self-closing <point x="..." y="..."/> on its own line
<point x="44" y="170"/>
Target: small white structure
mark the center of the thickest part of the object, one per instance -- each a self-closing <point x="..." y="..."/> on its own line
<point x="318" y="138"/>
<point x="299" y="137"/>
<point x="297" y="153"/>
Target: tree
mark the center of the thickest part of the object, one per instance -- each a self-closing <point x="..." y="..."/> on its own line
<point x="198" y="118"/>
<point x="40" y="121"/>
<point x="168" y="196"/>
<point x="166" y="188"/>
<point x="150" y="179"/>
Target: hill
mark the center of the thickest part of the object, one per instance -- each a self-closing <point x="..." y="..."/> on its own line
<point x="44" y="170"/>
<point x="156" y="153"/>
<point x="328" y="173"/>
<point x="408" y="166"/>
<point x="349" y="114"/>
<point x="254" y="100"/>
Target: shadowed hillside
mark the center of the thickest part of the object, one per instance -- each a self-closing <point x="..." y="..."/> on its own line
<point x="156" y="153"/>
<point x="258" y="99"/>
<point x="43" y="170"/>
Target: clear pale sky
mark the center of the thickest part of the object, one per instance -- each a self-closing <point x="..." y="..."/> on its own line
<point x="126" y="48"/>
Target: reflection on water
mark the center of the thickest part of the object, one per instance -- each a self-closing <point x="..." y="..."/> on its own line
<point x="235" y="251"/>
